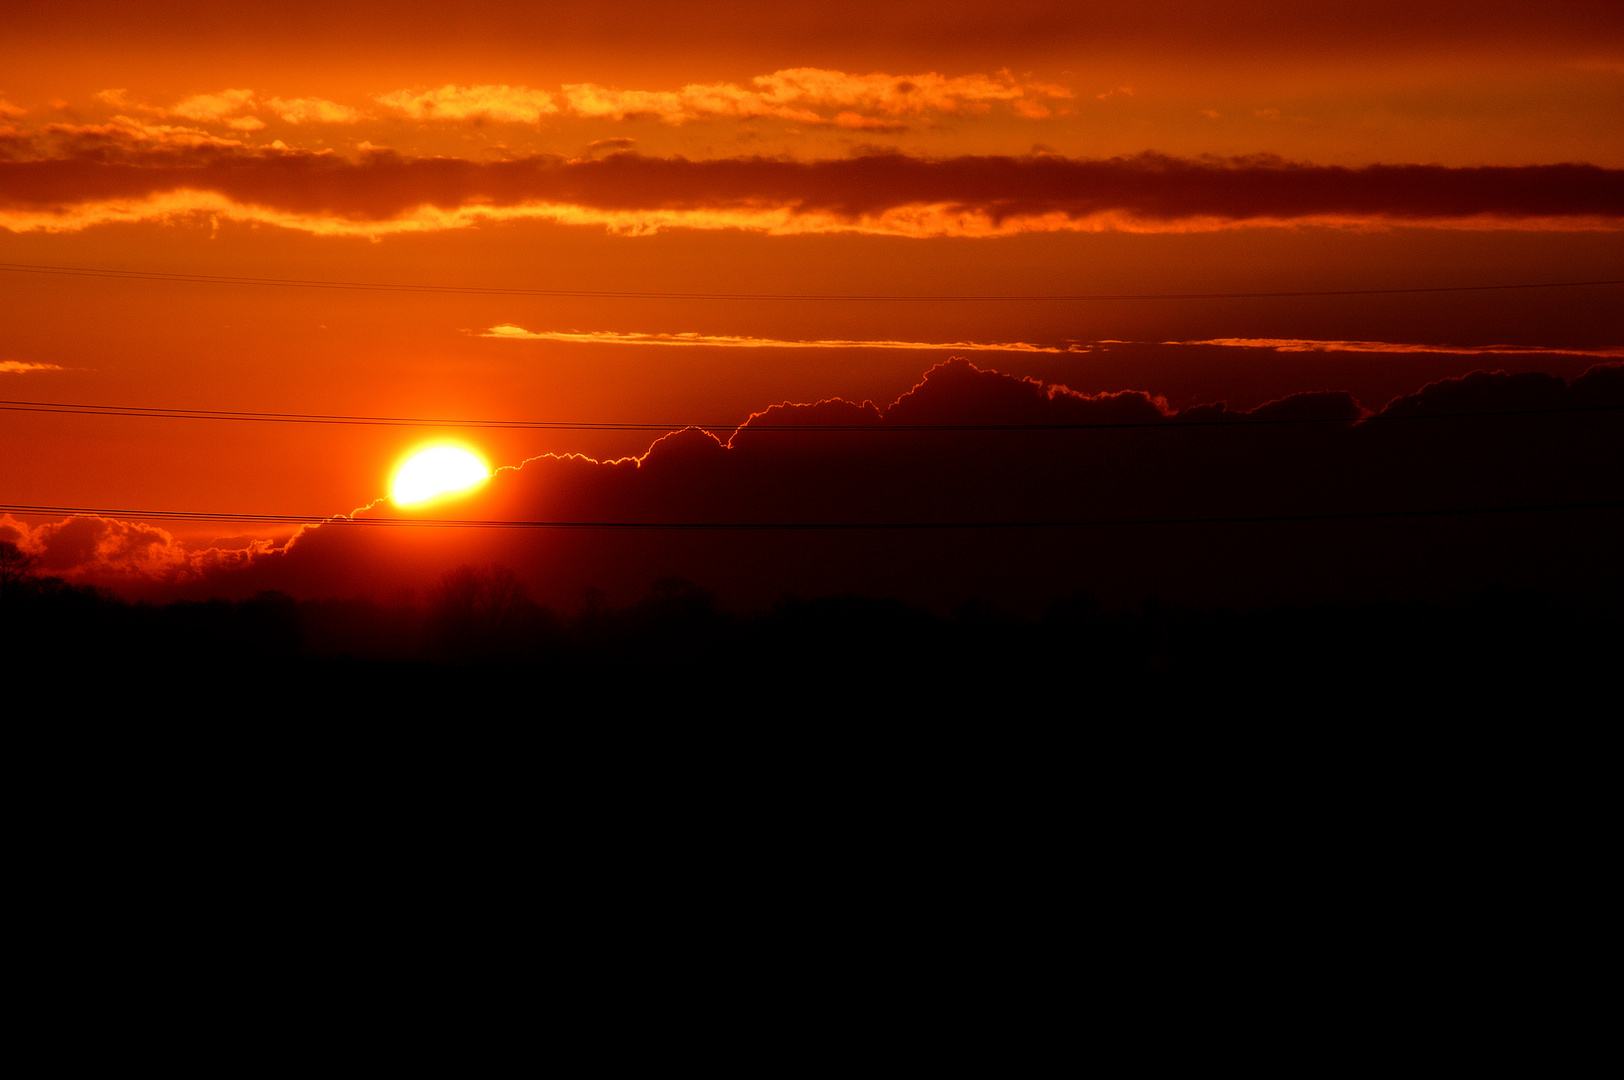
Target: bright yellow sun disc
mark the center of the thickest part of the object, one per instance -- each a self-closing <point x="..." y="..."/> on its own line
<point x="435" y="471"/>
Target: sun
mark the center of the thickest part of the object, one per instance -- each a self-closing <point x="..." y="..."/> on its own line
<point x="434" y="471"/>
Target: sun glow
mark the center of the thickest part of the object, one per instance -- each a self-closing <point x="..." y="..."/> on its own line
<point x="435" y="471"/>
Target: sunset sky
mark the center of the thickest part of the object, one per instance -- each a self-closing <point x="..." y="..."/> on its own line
<point x="805" y="177"/>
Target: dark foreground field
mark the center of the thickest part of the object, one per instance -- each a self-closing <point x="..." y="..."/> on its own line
<point x="479" y="647"/>
<point x="1278" y="797"/>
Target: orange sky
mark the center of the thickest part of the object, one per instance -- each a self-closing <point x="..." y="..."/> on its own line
<point x="836" y="148"/>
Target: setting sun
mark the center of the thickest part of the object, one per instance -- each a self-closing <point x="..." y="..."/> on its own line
<point x="436" y="471"/>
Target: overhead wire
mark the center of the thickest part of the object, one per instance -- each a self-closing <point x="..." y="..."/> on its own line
<point x="642" y="294"/>
<point x="1173" y="422"/>
<point x="314" y="418"/>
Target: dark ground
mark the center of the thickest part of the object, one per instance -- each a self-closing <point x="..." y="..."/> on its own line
<point x="478" y="648"/>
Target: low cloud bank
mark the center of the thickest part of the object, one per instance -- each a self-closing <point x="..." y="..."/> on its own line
<point x="1012" y="490"/>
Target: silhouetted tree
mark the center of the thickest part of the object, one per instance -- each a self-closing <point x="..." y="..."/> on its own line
<point x="483" y="611"/>
<point x="15" y="567"/>
<point x="594" y="602"/>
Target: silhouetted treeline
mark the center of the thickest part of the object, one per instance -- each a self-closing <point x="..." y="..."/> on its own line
<point x="478" y="628"/>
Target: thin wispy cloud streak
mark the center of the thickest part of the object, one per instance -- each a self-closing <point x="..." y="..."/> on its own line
<point x="509" y="332"/>
<point x="1290" y="345"/>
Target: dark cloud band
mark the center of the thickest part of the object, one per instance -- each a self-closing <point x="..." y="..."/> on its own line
<point x="964" y="194"/>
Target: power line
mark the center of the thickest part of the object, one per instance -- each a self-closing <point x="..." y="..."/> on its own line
<point x="635" y="294"/>
<point x="1231" y="420"/>
<point x="825" y="526"/>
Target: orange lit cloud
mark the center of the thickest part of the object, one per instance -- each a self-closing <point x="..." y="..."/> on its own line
<point x="10" y="111"/>
<point x="893" y="195"/>
<point x="111" y="551"/>
<point x="313" y="111"/>
<point x="221" y="107"/>
<point x="876" y="101"/>
<point x="18" y="367"/>
<point x="509" y="332"/>
<point x="511" y="104"/>
<point x="91" y="139"/>
<point x="908" y="95"/>
<point x="206" y="107"/>
<point x="588" y="99"/>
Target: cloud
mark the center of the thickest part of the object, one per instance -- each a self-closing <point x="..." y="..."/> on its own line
<point x="509" y="104"/>
<point x="1309" y="345"/>
<point x="92" y="141"/>
<point x="904" y="95"/>
<point x="121" y="548"/>
<point x="9" y="111"/>
<point x="509" y="332"/>
<point x="988" y="449"/>
<point x="108" y="551"/>
<point x="589" y="99"/>
<point x="875" y="101"/>
<point x="202" y="108"/>
<point x="18" y="367"/>
<point x="810" y="96"/>
<point x="886" y="194"/>
<point x="313" y="111"/>
<point x="207" y="107"/>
